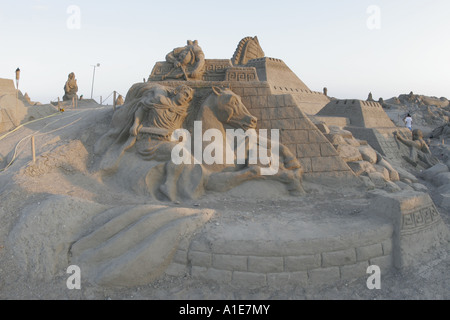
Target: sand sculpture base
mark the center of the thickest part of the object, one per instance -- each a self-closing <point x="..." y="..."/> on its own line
<point x="304" y="247"/>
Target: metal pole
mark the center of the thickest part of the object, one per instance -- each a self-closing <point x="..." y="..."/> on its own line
<point x="92" y="90"/>
<point x="115" y="101"/>
<point x="33" y="149"/>
<point x="17" y="92"/>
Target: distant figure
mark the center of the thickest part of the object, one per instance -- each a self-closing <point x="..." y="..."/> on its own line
<point x="119" y="101"/>
<point x="325" y="91"/>
<point x="370" y="98"/>
<point x="71" y="88"/>
<point x="27" y="98"/>
<point x="81" y="97"/>
<point x="408" y="121"/>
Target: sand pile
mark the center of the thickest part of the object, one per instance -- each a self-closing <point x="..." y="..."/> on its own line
<point x="12" y="115"/>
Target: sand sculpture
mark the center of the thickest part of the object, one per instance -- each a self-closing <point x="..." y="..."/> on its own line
<point x="241" y="94"/>
<point x="248" y="49"/>
<point x="153" y="112"/>
<point x="163" y="230"/>
<point x="120" y="101"/>
<point x="16" y="108"/>
<point x="419" y="150"/>
<point x="70" y="88"/>
<point x="187" y="62"/>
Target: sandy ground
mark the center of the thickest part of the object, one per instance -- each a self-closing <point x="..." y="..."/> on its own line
<point x="63" y="146"/>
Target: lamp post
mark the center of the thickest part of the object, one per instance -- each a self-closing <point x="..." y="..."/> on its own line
<point x="93" y="76"/>
<point x="17" y="77"/>
<point x="17" y="86"/>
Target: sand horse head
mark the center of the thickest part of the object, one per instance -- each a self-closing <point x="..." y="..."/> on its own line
<point x="226" y="107"/>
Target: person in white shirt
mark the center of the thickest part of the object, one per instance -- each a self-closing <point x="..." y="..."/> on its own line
<point x="408" y="121"/>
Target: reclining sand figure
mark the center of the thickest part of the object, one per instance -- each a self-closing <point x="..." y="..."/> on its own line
<point x="419" y="150"/>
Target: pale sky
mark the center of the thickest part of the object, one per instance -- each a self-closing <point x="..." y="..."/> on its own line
<point x="327" y="43"/>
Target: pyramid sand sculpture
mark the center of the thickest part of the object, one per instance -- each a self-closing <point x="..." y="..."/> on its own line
<point x="273" y="94"/>
<point x="366" y="120"/>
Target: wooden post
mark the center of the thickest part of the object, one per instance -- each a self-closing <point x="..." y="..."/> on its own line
<point x="115" y="101"/>
<point x="33" y="149"/>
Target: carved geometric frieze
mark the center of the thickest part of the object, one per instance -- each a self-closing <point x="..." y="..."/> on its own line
<point x="420" y="219"/>
<point x="241" y="74"/>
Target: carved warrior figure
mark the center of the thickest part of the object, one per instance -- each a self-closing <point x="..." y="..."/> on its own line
<point x="248" y="49"/>
<point x="71" y="88"/>
<point x="188" y="62"/>
<point x="419" y="150"/>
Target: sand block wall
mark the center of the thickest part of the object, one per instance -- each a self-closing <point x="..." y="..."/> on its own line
<point x="305" y="254"/>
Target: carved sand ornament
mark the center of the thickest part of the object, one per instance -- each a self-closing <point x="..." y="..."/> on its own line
<point x="247" y="49"/>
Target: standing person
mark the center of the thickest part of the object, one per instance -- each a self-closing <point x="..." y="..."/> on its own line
<point x="408" y="121"/>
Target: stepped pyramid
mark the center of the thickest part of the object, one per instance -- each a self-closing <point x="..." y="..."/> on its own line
<point x="366" y="120"/>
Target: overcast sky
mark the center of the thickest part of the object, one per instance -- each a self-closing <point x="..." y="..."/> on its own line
<point x="351" y="47"/>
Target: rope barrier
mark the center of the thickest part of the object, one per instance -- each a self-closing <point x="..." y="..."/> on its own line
<point x="24" y="124"/>
<point x="34" y="134"/>
<point x="118" y="94"/>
